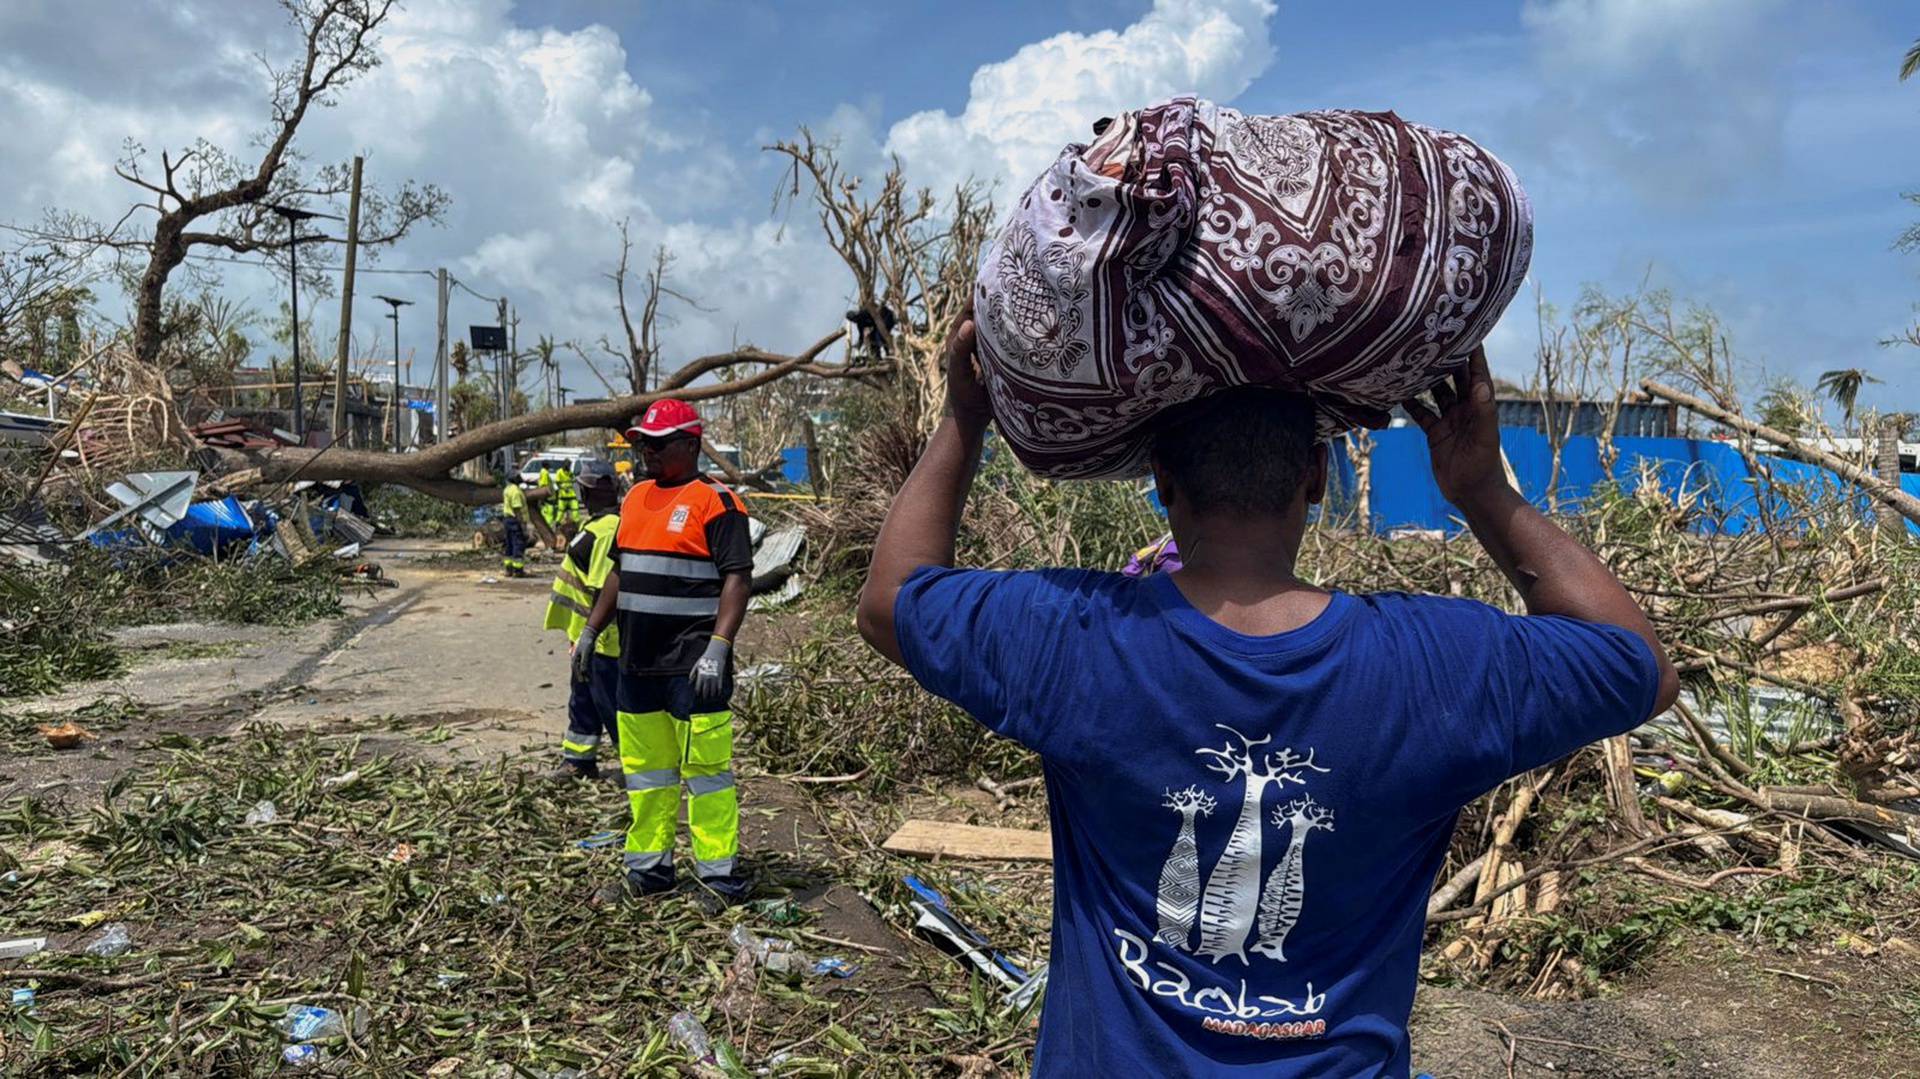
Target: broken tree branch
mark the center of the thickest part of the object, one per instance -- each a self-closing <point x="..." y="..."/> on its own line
<point x="1892" y="497"/>
<point x="427" y="471"/>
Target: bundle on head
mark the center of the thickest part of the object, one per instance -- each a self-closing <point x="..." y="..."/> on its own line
<point x="1350" y="256"/>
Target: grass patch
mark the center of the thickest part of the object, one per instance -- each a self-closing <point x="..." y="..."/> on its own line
<point x="58" y="617"/>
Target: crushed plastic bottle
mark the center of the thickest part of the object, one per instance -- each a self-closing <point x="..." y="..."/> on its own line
<point x="113" y="941"/>
<point x="263" y="812"/>
<point x="690" y="1035"/>
<point x="303" y="1056"/>
<point x="783" y="911"/>
<point x="778" y="956"/>
<point x="307" y="1022"/>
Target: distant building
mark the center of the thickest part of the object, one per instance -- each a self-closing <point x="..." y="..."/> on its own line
<point x="1639" y="415"/>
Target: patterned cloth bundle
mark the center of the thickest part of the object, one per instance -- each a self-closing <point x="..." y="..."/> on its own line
<point x="1349" y="255"/>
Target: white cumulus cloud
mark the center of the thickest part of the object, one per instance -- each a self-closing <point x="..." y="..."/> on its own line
<point x="1020" y="111"/>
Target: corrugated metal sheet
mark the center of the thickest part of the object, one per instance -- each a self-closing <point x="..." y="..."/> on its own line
<point x="1637" y="419"/>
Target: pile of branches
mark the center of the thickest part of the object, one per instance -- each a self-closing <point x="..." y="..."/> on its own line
<point x="1014" y="519"/>
<point x="1797" y="634"/>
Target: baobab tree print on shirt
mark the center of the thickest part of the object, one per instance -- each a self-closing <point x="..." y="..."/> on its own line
<point x="1231" y="902"/>
<point x="1286" y="890"/>
<point x="1179" y="895"/>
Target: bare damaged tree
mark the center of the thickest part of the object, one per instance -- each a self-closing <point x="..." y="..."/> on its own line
<point x="911" y="257"/>
<point x="642" y="353"/>
<point x="205" y="196"/>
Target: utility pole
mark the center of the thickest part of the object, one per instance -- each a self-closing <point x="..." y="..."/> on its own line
<point x="346" y="309"/>
<point x="293" y="216"/>
<point x="395" y="305"/>
<point x="501" y="365"/>
<point x="442" y="416"/>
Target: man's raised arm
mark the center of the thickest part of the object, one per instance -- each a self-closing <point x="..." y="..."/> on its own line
<point x="1552" y="571"/>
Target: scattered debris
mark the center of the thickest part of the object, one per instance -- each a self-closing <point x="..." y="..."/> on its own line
<point x="263" y="812"/>
<point x="157" y="499"/>
<point x="938" y="924"/>
<point x="31" y="539"/>
<point x="114" y="941"/>
<point x="942" y="839"/>
<point x="64" y="735"/>
<point x="22" y="947"/>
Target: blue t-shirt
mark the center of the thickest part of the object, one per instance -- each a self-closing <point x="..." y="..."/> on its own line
<point x="1245" y="829"/>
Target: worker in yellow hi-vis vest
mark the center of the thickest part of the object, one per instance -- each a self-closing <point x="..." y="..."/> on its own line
<point x="549" y="504"/>
<point x="513" y="523"/>
<point x="588" y="561"/>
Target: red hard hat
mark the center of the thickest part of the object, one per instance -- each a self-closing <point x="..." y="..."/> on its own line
<point x="668" y="417"/>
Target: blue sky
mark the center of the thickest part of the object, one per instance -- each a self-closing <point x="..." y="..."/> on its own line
<point x="1747" y="154"/>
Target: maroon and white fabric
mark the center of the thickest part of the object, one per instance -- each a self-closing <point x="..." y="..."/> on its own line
<point x="1350" y="255"/>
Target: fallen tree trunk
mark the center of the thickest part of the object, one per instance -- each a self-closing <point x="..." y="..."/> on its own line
<point x="428" y="471"/>
<point x="1889" y="495"/>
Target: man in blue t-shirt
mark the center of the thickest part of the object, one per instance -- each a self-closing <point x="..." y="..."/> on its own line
<point x="1245" y="831"/>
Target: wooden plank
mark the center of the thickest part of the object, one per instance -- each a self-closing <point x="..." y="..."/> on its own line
<point x="939" y="839"/>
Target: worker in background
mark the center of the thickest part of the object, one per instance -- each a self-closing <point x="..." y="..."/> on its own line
<point x="513" y="522"/>
<point x="584" y="568"/>
<point x="549" y="505"/>
<point x="566" y="509"/>
<point x="680" y="595"/>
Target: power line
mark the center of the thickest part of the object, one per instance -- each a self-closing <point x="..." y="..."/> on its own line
<point x="238" y="261"/>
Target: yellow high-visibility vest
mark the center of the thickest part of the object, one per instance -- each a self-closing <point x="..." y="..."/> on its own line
<point x="575" y="587"/>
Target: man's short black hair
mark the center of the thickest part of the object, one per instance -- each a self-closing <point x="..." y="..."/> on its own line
<point x="1243" y="451"/>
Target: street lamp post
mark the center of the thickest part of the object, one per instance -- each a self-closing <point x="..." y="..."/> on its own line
<point x="394" y="313"/>
<point x="293" y="215"/>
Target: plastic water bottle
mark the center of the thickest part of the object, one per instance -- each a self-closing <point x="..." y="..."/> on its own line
<point x="778" y="956"/>
<point x="302" y="1056"/>
<point x="110" y="943"/>
<point x="688" y="1033"/>
<point x="305" y="1023"/>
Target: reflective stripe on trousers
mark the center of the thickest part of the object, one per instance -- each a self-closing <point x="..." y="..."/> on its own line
<point x="658" y="752"/>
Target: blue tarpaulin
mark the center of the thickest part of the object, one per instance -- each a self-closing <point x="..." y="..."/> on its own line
<point x="207" y="527"/>
<point x="1404" y="494"/>
<point x="793" y="465"/>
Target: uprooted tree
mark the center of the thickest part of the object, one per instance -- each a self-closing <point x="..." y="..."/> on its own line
<point x="204" y="196"/>
<point x="904" y="249"/>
